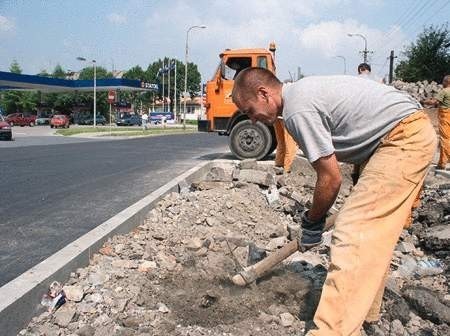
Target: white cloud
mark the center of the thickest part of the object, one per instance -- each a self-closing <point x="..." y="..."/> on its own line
<point x="6" y="24"/>
<point x="117" y="18"/>
<point x="308" y="33"/>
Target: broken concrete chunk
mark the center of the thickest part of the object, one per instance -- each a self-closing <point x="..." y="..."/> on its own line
<point x="73" y="293"/>
<point x="248" y="164"/>
<point x="256" y="177"/>
<point x="220" y="174"/>
<point x="64" y="316"/>
<point x="287" y="320"/>
<point x="272" y="195"/>
<point x="438" y="238"/>
<point x="405" y="247"/>
<point x="208" y="185"/>
<point x="427" y="304"/>
<point x="194" y="244"/>
<point x="147" y="266"/>
<point x="212" y="221"/>
<point x="276" y="243"/>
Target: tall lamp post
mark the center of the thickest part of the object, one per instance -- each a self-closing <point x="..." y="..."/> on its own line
<point x="95" y="88"/>
<point x="185" y="70"/>
<point x="345" y="63"/>
<point x="365" y="51"/>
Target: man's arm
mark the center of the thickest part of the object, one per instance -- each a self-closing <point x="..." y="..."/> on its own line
<point x="327" y="186"/>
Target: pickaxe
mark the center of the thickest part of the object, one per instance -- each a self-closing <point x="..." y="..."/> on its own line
<point x="251" y="273"/>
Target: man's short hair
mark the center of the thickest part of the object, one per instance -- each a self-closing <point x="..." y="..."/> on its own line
<point x="364" y="67"/>
<point x="446" y="80"/>
<point x="249" y="80"/>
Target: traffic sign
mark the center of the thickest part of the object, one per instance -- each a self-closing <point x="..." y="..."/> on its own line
<point x="111" y="96"/>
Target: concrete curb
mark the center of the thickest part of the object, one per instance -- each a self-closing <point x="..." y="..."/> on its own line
<point x="20" y="298"/>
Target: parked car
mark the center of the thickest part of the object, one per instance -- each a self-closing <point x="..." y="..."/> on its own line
<point x="99" y="120"/>
<point x="59" y="120"/>
<point x="5" y="129"/>
<point x="43" y="120"/>
<point x="129" y="120"/>
<point x="20" y="119"/>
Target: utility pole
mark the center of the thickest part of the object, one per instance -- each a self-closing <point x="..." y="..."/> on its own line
<point x="391" y="66"/>
<point x="163" y="98"/>
<point x="168" y="88"/>
<point x="175" y="94"/>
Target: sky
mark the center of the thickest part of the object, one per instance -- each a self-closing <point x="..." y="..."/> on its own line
<point x="120" y="34"/>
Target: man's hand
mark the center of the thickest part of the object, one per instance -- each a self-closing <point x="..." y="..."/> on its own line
<point x="311" y="232"/>
<point x="327" y="186"/>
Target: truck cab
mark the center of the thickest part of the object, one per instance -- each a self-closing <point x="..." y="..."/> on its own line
<point x="246" y="140"/>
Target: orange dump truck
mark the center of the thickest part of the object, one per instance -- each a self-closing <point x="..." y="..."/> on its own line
<point x="246" y="140"/>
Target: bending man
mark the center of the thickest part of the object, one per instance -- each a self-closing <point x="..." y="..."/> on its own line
<point x="349" y="119"/>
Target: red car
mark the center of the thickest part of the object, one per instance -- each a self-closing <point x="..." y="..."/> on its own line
<point x="59" y="120"/>
<point x="5" y="129"/>
<point x="20" y="119"/>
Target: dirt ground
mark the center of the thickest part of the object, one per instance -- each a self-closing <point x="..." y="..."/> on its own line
<point x="171" y="275"/>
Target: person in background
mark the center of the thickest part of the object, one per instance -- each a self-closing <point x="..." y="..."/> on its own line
<point x="144" y="120"/>
<point x="442" y="101"/>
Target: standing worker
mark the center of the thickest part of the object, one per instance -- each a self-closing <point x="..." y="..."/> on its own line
<point x="286" y="147"/>
<point x="442" y="100"/>
<point x="349" y="119"/>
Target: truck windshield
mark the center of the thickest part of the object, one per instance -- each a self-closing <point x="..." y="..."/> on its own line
<point x="234" y="65"/>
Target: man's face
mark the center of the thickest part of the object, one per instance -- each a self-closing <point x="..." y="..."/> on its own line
<point x="260" y="108"/>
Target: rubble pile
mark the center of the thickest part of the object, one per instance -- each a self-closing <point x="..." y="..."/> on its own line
<point x="419" y="90"/>
<point x="171" y="275"/>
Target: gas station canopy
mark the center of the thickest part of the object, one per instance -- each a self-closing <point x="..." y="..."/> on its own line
<point x="13" y="81"/>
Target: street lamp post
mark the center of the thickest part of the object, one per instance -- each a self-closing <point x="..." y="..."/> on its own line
<point x="345" y="63"/>
<point x="365" y="52"/>
<point x="185" y="70"/>
<point x="95" y="87"/>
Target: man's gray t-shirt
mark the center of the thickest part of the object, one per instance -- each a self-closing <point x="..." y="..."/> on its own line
<point x="345" y="115"/>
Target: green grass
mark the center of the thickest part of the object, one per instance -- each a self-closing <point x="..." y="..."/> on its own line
<point x="151" y="132"/>
<point x="123" y="131"/>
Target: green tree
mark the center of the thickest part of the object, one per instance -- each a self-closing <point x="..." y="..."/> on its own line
<point x="154" y="75"/>
<point x="59" y="72"/>
<point x="15" y="101"/>
<point x="101" y="99"/>
<point x="100" y="73"/>
<point x="428" y="58"/>
<point x="15" y="67"/>
<point x="135" y="72"/>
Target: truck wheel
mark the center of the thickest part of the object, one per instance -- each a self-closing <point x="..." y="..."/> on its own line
<point x="250" y="141"/>
<point x="274" y="140"/>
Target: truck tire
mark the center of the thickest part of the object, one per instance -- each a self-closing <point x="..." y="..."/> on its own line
<point x="250" y="141"/>
<point x="274" y="140"/>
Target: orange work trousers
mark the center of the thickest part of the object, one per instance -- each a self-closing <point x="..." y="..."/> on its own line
<point x="444" y="136"/>
<point x="369" y="224"/>
<point x="286" y="146"/>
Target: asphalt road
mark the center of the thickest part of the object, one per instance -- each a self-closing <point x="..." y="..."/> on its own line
<point x="51" y="195"/>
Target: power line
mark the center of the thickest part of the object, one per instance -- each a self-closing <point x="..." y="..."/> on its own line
<point x="397" y="25"/>
<point x="419" y="11"/>
<point x="427" y="19"/>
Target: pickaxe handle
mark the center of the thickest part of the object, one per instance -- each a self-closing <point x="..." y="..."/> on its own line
<point x="251" y="273"/>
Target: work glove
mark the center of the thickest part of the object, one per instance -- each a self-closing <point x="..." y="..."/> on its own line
<point x="311" y="232"/>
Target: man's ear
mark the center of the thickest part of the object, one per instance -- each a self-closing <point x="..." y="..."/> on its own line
<point x="262" y="92"/>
